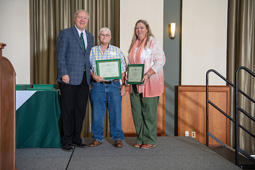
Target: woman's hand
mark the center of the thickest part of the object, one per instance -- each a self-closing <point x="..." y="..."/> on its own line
<point x="145" y="78"/>
<point x="147" y="75"/>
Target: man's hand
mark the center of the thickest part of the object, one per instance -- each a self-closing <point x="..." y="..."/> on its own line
<point x="66" y="79"/>
<point x="98" y="78"/>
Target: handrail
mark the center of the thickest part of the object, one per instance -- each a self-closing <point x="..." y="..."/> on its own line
<point x="208" y="101"/>
<point x="236" y="112"/>
<point x="237" y="108"/>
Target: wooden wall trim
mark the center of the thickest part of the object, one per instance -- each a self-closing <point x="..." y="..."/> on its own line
<point x="192" y="112"/>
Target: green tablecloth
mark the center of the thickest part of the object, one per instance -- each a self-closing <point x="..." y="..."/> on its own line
<point x="37" y="120"/>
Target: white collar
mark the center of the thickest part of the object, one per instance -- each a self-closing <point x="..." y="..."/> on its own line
<point x="84" y="32"/>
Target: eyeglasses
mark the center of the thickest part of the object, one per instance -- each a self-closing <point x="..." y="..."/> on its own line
<point x="80" y="17"/>
<point x="105" y="35"/>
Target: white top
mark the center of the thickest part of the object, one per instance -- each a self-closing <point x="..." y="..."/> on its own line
<point x="143" y="56"/>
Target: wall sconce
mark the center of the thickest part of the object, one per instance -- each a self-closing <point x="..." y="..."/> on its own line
<point x="171" y="29"/>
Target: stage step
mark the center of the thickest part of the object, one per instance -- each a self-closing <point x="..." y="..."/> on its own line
<point x="229" y="153"/>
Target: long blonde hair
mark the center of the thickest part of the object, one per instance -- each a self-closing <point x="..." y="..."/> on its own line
<point x="149" y="33"/>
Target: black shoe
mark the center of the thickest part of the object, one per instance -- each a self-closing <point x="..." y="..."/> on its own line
<point x="80" y="145"/>
<point x="67" y="148"/>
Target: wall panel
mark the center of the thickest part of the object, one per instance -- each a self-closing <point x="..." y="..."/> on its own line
<point x="192" y="112"/>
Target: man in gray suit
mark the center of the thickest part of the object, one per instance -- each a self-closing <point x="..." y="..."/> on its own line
<point x="73" y="50"/>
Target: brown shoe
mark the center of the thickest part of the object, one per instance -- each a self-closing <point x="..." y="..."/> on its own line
<point x="137" y="145"/>
<point x="95" y="143"/>
<point x="147" y="146"/>
<point x="118" y="144"/>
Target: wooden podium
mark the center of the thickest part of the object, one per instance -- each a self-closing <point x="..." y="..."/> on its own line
<point x="7" y="113"/>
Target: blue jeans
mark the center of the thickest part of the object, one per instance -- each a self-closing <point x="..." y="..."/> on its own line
<point x="99" y="95"/>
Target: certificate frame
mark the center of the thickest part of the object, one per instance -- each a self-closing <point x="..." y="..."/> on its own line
<point x="109" y="69"/>
<point x="136" y="70"/>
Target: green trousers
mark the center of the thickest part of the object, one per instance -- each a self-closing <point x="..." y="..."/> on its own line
<point x="144" y="111"/>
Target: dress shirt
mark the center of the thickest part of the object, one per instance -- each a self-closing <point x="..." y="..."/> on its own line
<point x="84" y="36"/>
<point x="111" y="52"/>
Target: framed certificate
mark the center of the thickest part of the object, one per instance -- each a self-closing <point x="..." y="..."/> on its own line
<point x="109" y="69"/>
<point x="135" y="73"/>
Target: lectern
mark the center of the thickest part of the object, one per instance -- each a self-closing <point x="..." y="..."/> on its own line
<point x="7" y="113"/>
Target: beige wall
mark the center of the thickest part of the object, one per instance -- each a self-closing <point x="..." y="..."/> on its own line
<point x="133" y="10"/>
<point x="204" y="40"/>
<point x="14" y="32"/>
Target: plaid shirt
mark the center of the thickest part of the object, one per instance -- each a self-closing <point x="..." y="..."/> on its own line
<point x="111" y="52"/>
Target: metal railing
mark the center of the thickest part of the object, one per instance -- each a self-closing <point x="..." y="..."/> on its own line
<point x="236" y="121"/>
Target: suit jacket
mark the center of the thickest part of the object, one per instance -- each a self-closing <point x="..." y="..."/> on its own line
<point x="71" y="57"/>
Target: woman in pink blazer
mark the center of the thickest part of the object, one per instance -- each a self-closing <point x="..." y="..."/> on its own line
<point x="145" y="49"/>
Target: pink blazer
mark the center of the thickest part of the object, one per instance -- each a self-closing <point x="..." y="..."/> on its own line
<point x="155" y="59"/>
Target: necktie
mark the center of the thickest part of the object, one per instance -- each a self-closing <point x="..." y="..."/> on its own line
<point x="82" y="42"/>
<point x="83" y="45"/>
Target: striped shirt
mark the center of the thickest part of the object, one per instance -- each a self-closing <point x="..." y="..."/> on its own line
<point x="111" y="52"/>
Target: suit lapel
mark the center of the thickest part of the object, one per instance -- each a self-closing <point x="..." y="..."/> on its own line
<point x="76" y="35"/>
